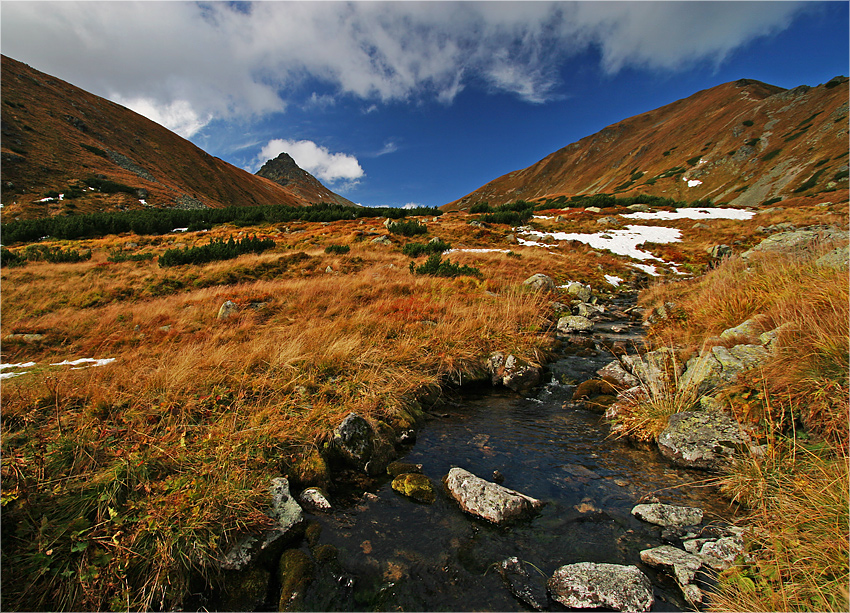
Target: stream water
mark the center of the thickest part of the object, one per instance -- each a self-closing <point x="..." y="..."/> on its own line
<point x="397" y="554"/>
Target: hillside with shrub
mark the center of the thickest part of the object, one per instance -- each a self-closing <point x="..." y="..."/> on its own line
<point x="67" y="152"/>
<point x="741" y="143"/>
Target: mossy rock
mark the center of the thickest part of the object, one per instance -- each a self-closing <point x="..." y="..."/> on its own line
<point x="394" y="469"/>
<point x="296" y="571"/>
<point x="416" y="486"/>
<point x="600" y="403"/>
<point x="592" y="388"/>
<point x="312" y="533"/>
<point x="244" y="590"/>
<point x="325" y="553"/>
<point x="311" y="470"/>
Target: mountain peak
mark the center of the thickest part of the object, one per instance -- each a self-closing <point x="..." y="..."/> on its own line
<point x="284" y="171"/>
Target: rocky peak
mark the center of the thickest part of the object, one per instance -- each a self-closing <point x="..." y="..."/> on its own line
<point x="282" y="170"/>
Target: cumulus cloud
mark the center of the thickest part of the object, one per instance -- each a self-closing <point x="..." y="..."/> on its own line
<point x="317" y="160"/>
<point x="178" y="116"/>
<point x="188" y="62"/>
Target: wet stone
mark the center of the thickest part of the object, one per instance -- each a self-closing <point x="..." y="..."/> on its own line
<point x="587" y="585"/>
<point x="488" y="500"/>
<point x="667" y="515"/>
<point x="520" y="583"/>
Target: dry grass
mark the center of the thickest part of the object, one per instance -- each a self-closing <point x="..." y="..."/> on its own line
<point x="121" y="482"/>
<point x="798" y="403"/>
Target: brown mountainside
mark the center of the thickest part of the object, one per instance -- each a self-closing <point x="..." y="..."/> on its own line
<point x="742" y="143"/>
<point x="58" y="138"/>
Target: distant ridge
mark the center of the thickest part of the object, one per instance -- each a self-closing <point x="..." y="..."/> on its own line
<point x="742" y="143"/>
<point x="100" y="156"/>
<point x="285" y="172"/>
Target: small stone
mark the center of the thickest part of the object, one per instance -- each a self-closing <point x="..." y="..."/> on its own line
<point x="587" y="585"/>
<point x="227" y="309"/>
<point x="667" y="515"/>
<point x="314" y="499"/>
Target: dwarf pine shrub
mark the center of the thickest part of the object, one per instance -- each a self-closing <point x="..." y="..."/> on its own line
<point x="437" y="267"/>
<point x="215" y="250"/>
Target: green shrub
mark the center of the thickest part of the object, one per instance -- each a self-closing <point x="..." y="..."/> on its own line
<point x="10" y="258"/>
<point x="770" y="155"/>
<point x="772" y="201"/>
<point x="436" y="267"/>
<point x="407" y="228"/>
<point x="214" y="251"/>
<point x="337" y="249"/>
<point x="811" y="182"/>
<point x="752" y="142"/>
<point x="694" y="160"/>
<point x="480" y="207"/>
<point x="747" y="122"/>
<point x="116" y="255"/>
<point x="109" y="187"/>
<point x="414" y="250"/>
<point x="95" y="150"/>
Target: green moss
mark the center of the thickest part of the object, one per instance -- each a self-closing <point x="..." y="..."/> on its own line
<point x="311" y="469"/>
<point x="394" y="469"/>
<point x="312" y="533"/>
<point x="416" y="486"/>
<point x="296" y="571"/>
<point x="325" y="553"/>
<point x="246" y="590"/>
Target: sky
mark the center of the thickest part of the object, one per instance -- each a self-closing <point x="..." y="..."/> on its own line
<point x="415" y="103"/>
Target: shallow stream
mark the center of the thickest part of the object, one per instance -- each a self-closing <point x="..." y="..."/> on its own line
<point x="397" y="554"/>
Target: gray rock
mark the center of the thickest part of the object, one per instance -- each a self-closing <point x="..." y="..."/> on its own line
<point x="540" y="282"/>
<point x="381" y="240"/>
<point x="585" y="309"/>
<point x="592" y="209"/>
<point x="487" y="500"/>
<point x="655" y="366"/>
<point x="720" y="366"/>
<point x="287" y="516"/>
<point x="587" y="585"/>
<point x="574" y="323"/>
<point x="521" y="585"/>
<point x="639" y="208"/>
<point x="616" y="374"/>
<point x="227" y="309"/>
<point x="579" y="291"/>
<point x="718" y="554"/>
<point x="668" y="515"/>
<point x="683" y="564"/>
<point x="768" y="339"/>
<point x="836" y="259"/>
<point x="752" y="327"/>
<point x="314" y="499"/>
<point x="353" y="440"/>
<point x="702" y="439"/>
<point x="718" y="252"/>
<point x="520" y="376"/>
<point x="797" y="241"/>
<point x="29" y="337"/>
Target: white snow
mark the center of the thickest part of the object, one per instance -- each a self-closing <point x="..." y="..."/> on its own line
<point x="482" y="250"/>
<point x="647" y="268"/>
<point x="621" y="242"/>
<point x="94" y="362"/>
<point x="9" y="375"/>
<point x="693" y="213"/>
<point x="613" y="280"/>
<point x="142" y="200"/>
<point x="18" y="365"/>
<point x="694" y="182"/>
<point x="180" y="230"/>
<point x="48" y="199"/>
<point x="61" y="196"/>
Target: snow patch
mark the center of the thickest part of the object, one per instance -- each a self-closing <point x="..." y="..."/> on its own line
<point x="692" y="213"/>
<point x="90" y="361"/>
<point x="482" y="250"/>
<point x="694" y="182"/>
<point x="18" y="365"/>
<point x="647" y="268"/>
<point x="180" y="230"/>
<point x="613" y="280"/>
<point x="620" y="242"/>
<point x="142" y="200"/>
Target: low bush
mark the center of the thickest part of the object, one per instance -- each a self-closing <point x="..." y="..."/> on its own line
<point x="337" y="249"/>
<point x="215" y="250"/>
<point x="415" y="250"/>
<point x="43" y="253"/>
<point x="437" y="267"/>
<point x="408" y="228"/>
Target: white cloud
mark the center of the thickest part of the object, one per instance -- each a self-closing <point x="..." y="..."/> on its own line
<point x="315" y="159"/>
<point x="178" y="116"/>
<point x="187" y="62"/>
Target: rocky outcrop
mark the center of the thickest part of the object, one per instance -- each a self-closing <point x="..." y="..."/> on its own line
<point x="487" y="500"/>
<point x="287" y="517"/>
<point x="587" y="585"/>
<point x="684" y="567"/>
<point x="799" y="241"/>
<point x="702" y="439"/>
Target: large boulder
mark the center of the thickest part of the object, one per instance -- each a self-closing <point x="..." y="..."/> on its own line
<point x="655" y="367"/>
<point x="540" y="282"/>
<point x="702" y="439"/>
<point x="579" y="291"/>
<point x="588" y="585"/>
<point x="719" y="366"/>
<point x="512" y="372"/>
<point x="487" y="500"/>
<point x="287" y="518"/>
<point x="798" y="241"/>
<point x="353" y="440"/>
<point x="668" y="515"/>
<point x="614" y="373"/>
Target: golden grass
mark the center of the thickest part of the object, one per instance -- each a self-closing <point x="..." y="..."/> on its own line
<point x="121" y="482"/>
<point x="797" y="494"/>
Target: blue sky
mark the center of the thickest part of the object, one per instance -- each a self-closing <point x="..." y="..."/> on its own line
<point x="396" y="103"/>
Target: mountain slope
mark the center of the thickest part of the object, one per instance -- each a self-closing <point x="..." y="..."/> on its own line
<point x="284" y="171"/>
<point x="742" y="142"/>
<point x="58" y="138"/>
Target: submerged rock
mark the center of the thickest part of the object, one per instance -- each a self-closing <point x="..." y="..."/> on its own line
<point x="521" y="585"/>
<point x="394" y="469"/>
<point x="587" y="585"/>
<point x="702" y="439"/>
<point x="512" y="372"/>
<point x="296" y="571"/>
<point x="416" y="486"/>
<point x="487" y="500"/>
<point x="246" y="590"/>
<point x="667" y="515"/>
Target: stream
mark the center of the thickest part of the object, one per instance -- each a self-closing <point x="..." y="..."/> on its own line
<point x="398" y="554"/>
